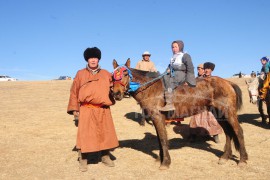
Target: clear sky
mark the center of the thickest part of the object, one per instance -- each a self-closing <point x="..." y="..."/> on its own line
<point x="43" y="39"/>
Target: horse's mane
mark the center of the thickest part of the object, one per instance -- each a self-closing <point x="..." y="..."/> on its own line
<point x="145" y="73"/>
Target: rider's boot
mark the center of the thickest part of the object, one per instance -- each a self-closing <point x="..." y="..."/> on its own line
<point x="169" y="101"/>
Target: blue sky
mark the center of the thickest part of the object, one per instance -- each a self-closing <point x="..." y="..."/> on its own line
<point x="43" y="39"/>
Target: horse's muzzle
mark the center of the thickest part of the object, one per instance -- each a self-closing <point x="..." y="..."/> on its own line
<point x="118" y="96"/>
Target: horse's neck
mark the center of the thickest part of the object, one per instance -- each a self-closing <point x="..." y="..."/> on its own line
<point x="147" y="91"/>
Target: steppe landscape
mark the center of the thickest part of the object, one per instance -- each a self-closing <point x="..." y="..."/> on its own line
<point x="37" y="138"/>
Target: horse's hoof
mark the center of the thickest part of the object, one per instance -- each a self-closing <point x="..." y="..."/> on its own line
<point x="242" y="164"/>
<point x="142" y="124"/>
<point x="162" y="167"/>
<point x="222" y="161"/>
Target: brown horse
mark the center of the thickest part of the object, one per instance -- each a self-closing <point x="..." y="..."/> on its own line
<point x="221" y="97"/>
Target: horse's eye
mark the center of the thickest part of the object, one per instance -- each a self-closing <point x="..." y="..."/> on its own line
<point x="125" y="72"/>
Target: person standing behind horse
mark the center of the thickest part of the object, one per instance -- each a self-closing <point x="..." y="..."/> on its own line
<point x="145" y="65"/>
<point x="265" y="86"/>
<point x="180" y="71"/>
<point x="90" y="100"/>
<point x="205" y="124"/>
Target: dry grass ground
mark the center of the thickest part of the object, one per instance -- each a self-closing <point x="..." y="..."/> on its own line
<point x="37" y="138"/>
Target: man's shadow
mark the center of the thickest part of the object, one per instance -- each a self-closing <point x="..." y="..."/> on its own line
<point x="252" y="119"/>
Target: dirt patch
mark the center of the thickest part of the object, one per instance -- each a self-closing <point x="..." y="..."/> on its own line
<point x="37" y="138"/>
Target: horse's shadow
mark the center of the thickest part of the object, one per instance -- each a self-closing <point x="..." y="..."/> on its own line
<point x="252" y="119"/>
<point x="137" y="117"/>
<point x="149" y="144"/>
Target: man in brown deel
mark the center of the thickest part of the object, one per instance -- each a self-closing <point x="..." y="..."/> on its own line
<point x="90" y="100"/>
<point x="145" y="65"/>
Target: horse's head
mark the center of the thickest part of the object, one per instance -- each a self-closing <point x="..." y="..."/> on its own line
<point x="253" y="95"/>
<point x="121" y="79"/>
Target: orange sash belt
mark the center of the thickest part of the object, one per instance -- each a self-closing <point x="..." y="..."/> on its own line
<point x="89" y="105"/>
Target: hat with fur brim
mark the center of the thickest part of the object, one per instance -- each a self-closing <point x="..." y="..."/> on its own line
<point x="93" y="52"/>
<point x="209" y="65"/>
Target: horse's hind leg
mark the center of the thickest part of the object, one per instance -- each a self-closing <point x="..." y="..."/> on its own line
<point x="243" y="152"/>
<point x="227" y="148"/>
<point x="238" y="138"/>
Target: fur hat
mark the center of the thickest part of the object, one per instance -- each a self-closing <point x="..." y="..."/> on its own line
<point x="209" y="65"/>
<point x="93" y="52"/>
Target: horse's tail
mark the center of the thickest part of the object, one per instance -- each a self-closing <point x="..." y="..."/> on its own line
<point x="238" y="92"/>
<point x="229" y="130"/>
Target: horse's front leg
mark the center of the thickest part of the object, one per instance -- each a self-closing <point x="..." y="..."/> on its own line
<point x="159" y="123"/>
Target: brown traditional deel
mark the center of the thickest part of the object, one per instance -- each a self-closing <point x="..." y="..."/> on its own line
<point x="223" y="98"/>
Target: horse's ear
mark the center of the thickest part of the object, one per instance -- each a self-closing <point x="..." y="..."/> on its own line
<point x="128" y="63"/>
<point x="115" y="64"/>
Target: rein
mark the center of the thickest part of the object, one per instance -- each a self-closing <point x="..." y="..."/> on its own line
<point x="157" y="78"/>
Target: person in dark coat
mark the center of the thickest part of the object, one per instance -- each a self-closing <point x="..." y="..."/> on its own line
<point x="180" y="71"/>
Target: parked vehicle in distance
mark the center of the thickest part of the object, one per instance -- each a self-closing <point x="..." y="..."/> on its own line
<point x="64" y="78"/>
<point x="7" y="78"/>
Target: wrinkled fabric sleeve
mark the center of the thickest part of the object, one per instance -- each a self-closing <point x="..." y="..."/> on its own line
<point x="188" y="62"/>
<point x="73" y="104"/>
<point x="190" y="76"/>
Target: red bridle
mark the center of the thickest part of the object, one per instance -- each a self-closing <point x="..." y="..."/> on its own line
<point x="118" y="74"/>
